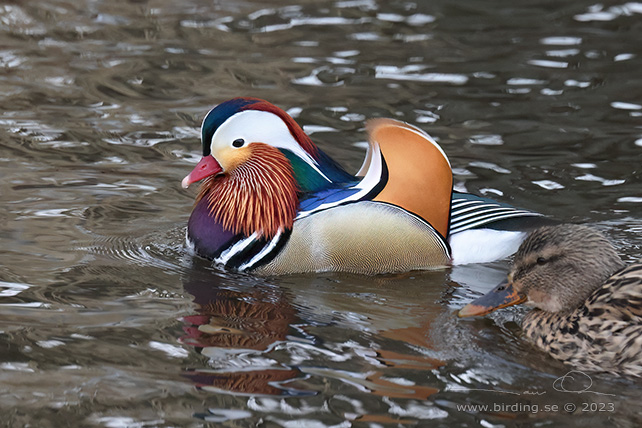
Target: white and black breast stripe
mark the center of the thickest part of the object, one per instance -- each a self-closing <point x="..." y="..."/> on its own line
<point x="235" y="248"/>
<point x="251" y="252"/>
<point x="261" y="255"/>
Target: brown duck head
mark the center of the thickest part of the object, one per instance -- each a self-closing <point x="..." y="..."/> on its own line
<point x="555" y="269"/>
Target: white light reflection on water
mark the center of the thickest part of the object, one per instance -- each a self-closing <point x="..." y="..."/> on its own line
<point x="604" y="181"/>
<point x="561" y="41"/>
<point x="630" y="199"/>
<point x="8" y="289"/>
<point x="625" y="106"/>
<point x="548" y="184"/>
<point x="548" y="63"/>
<point x="487" y="140"/>
<point x="413" y="73"/>
<point x="596" y="12"/>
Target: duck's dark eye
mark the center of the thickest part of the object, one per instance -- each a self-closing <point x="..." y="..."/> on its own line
<point x="238" y="142"/>
<point x="541" y="261"/>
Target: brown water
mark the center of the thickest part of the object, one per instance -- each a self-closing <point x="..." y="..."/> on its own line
<point x="105" y="321"/>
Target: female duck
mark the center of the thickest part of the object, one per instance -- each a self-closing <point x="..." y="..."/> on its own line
<point x="588" y="308"/>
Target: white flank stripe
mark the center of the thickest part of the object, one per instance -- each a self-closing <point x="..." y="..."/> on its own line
<point x="458" y="203"/>
<point x="487" y="219"/>
<point x="484" y="207"/>
<point x="479" y="214"/>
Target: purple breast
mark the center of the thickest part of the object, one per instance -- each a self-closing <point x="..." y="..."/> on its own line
<point x="210" y="238"/>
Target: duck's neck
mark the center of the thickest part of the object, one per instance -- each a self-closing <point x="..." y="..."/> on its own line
<point x="565" y="336"/>
<point x="538" y="322"/>
<point x="259" y="196"/>
<point x="553" y="329"/>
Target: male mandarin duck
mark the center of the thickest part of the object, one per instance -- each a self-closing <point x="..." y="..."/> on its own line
<point x="271" y="202"/>
<point x="588" y="306"/>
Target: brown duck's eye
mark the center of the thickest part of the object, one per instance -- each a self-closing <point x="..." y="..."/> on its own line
<point x="541" y="261"/>
<point x="239" y="142"/>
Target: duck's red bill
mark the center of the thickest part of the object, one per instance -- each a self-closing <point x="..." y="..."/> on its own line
<point x="207" y="166"/>
<point x="499" y="297"/>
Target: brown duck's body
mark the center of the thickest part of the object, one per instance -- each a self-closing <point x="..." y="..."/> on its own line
<point x="588" y="306"/>
<point x="602" y="335"/>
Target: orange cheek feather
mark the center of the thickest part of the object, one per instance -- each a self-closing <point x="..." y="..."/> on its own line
<point x="230" y="158"/>
<point x="256" y="193"/>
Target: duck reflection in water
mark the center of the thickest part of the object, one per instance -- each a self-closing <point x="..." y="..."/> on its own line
<point x="239" y="321"/>
<point x="259" y="343"/>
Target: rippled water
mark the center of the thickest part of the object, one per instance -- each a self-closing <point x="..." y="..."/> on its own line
<point x="106" y="321"/>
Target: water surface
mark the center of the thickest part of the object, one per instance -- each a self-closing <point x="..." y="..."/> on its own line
<point x="107" y="321"/>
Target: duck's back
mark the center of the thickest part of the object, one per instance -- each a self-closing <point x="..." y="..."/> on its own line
<point x="604" y="334"/>
<point x="621" y="295"/>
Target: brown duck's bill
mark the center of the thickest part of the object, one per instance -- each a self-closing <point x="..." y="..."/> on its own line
<point x="499" y="297"/>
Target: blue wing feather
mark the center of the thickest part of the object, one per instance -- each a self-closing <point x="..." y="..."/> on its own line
<point x="311" y="201"/>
